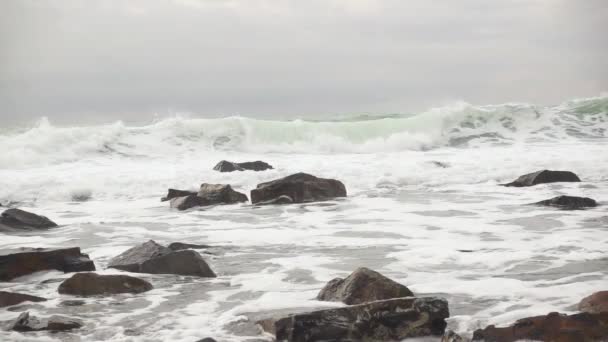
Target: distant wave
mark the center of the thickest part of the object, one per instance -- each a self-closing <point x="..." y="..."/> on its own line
<point x="459" y="125"/>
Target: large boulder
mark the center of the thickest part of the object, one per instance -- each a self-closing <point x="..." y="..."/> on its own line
<point x="544" y="176"/>
<point x="226" y="166"/>
<point x="173" y="193"/>
<point x="13" y="298"/>
<point x="362" y="286"/>
<point x="386" y="320"/>
<point x="552" y="327"/>
<point x="17" y="219"/>
<point x="93" y="284"/>
<point x="595" y="303"/>
<point x="300" y="188"/>
<point x="153" y="258"/>
<point x="209" y="194"/>
<point x="569" y="202"/>
<point x="25" y="322"/>
<point x="23" y="261"/>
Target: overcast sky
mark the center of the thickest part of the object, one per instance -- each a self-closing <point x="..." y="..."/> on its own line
<point x="102" y="60"/>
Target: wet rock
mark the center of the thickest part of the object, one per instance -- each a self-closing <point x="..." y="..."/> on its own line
<point x="596" y="303"/>
<point x="300" y="188"/>
<point x="207" y="339"/>
<point x="442" y="165"/>
<point x="386" y="320"/>
<point x="173" y="193"/>
<point x="25" y="322"/>
<point x="12" y="219"/>
<point x="178" y="246"/>
<point x="361" y="286"/>
<point x="12" y="298"/>
<point x="569" y="202"/>
<point x="552" y="327"/>
<point x="226" y="166"/>
<point x="209" y="194"/>
<point x="92" y="284"/>
<point x="187" y="202"/>
<point x="23" y="261"/>
<point x="153" y="258"/>
<point x="544" y="176"/>
<point x="451" y="336"/>
<point x="283" y="199"/>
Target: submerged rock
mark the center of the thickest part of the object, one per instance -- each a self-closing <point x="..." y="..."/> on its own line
<point x="226" y="166"/>
<point x="173" y="193"/>
<point x="569" y="202"/>
<point x="13" y="298"/>
<point x="92" y="284"/>
<point x="361" y="286"/>
<point x="178" y="246"/>
<point x="552" y="327"/>
<point x="25" y="261"/>
<point x="25" y="322"/>
<point x="300" y="188"/>
<point x="386" y="320"/>
<point x="23" y="220"/>
<point x="544" y="176"/>
<point x="209" y="194"/>
<point x="153" y="258"/>
<point x="595" y="303"/>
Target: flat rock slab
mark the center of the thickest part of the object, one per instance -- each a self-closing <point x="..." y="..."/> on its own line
<point x="25" y="323"/>
<point x="298" y="188"/>
<point x="226" y="166"/>
<point x="17" y="219"/>
<point x="13" y="298"/>
<point x="596" y="303"/>
<point x="361" y="286"/>
<point x="544" y="176"/>
<point x="153" y="258"/>
<point x="569" y="202"/>
<point x="93" y="284"/>
<point x="23" y="261"/>
<point x="386" y="320"/>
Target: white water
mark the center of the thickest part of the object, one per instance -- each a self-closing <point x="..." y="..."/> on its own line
<point x="405" y="216"/>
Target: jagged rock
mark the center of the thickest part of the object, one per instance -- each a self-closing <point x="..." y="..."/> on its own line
<point x="25" y="322"/>
<point x="12" y="219"/>
<point x="569" y="202"/>
<point x="209" y="194"/>
<point x="362" y="286"/>
<point x="300" y="188"/>
<point x="544" y="176"/>
<point x="552" y="327"/>
<point x="178" y="246"/>
<point x="153" y="258"/>
<point x="226" y="166"/>
<point x="595" y="303"/>
<point x="13" y="298"/>
<point x="173" y="193"/>
<point x="92" y="284"/>
<point x="23" y="261"/>
<point x="451" y="336"/>
<point x="385" y="320"/>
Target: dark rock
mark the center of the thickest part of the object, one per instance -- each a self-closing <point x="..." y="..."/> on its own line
<point x="207" y="339"/>
<point x="187" y="202"/>
<point x="596" y="303"/>
<point x="544" y="176"/>
<point x="226" y="166"/>
<point x="362" y="286"/>
<point x="300" y="188"/>
<point x="12" y="298"/>
<point x="569" y="202"/>
<point x="440" y="164"/>
<point x="20" y="219"/>
<point x="283" y="199"/>
<point x="552" y="327"/>
<point x="178" y="246"/>
<point x="23" y="261"/>
<point x="451" y="336"/>
<point x="209" y="194"/>
<point x="173" y="193"/>
<point x="153" y="258"/>
<point x="92" y="284"/>
<point x="386" y="320"/>
<point x="25" y="322"/>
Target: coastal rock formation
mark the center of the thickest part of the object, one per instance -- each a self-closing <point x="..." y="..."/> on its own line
<point x="12" y="219"/>
<point x="13" y="298"/>
<point x="226" y="166"/>
<point x="23" y="261"/>
<point x="569" y="202"/>
<point x="595" y="303"/>
<point x="173" y="193"/>
<point x="25" y="322"/>
<point x="153" y="258"/>
<point x="552" y="327"/>
<point x="544" y="176"/>
<point x="209" y="194"/>
<point x="300" y="188"/>
<point x="361" y="286"/>
<point x="386" y="320"/>
<point x="92" y="284"/>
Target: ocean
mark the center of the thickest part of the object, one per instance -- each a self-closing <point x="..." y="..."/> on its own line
<point x="424" y="207"/>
